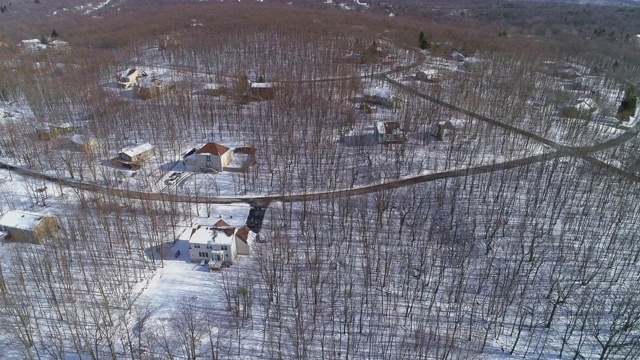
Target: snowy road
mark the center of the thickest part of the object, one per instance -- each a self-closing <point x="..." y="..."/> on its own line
<point x="559" y="151"/>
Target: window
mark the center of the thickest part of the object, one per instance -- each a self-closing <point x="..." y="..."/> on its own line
<point x="209" y="247"/>
<point x="203" y="254"/>
<point x="224" y="247"/>
<point x="197" y="246"/>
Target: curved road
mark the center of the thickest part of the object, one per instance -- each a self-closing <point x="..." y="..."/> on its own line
<point x="560" y="151"/>
<point x="581" y="152"/>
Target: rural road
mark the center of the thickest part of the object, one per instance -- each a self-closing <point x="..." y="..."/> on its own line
<point x="560" y="151"/>
<point x="581" y="152"/>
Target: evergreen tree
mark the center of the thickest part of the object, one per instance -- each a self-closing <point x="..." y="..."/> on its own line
<point x="424" y="43"/>
<point x="54" y="34"/>
<point x="628" y="105"/>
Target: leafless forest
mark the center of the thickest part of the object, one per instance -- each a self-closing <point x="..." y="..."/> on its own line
<point x="517" y="237"/>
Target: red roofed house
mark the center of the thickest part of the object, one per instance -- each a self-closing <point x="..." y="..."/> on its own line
<point x="211" y="156"/>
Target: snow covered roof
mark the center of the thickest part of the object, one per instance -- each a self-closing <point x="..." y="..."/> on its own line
<point x="428" y="72"/>
<point x="58" y="43"/>
<point x="82" y="140"/>
<point x="457" y="56"/>
<point x="387" y="127"/>
<point x="45" y="126"/>
<point x="213" y="149"/>
<point x="137" y="149"/>
<point x="127" y="73"/>
<point x="206" y="235"/>
<point x="24" y="220"/>
<point x="261" y="85"/>
<point x="212" y="86"/>
<point x="246" y="235"/>
<point x="586" y="104"/>
<point x="379" y="92"/>
<point x="471" y="61"/>
<point x="148" y="82"/>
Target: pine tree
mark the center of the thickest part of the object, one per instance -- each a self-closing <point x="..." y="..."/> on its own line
<point x="424" y="43"/>
<point x="54" y="34"/>
<point x="628" y="105"/>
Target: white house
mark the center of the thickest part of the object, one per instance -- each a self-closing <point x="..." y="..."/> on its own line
<point x="219" y="244"/>
<point x="129" y="77"/>
<point x="383" y="97"/>
<point x="210" y="156"/>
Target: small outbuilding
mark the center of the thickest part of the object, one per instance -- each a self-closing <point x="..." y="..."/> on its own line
<point x="445" y="131"/>
<point x="26" y="226"/>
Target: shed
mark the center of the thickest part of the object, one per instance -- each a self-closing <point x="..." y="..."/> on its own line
<point x="445" y="131"/>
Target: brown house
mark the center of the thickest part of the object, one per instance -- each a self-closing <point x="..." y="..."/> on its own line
<point x="25" y="226"/>
<point x="47" y="131"/>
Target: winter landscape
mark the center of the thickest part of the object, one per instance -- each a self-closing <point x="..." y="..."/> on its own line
<point x="319" y="180"/>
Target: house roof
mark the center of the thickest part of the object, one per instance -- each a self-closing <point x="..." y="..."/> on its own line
<point x="245" y="234"/>
<point x="206" y="235"/>
<point x="586" y="104"/>
<point x="128" y="72"/>
<point x="387" y="127"/>
<point x="262" y="85"/>
<point x="213" y="149"/>
<point x="221" y="223"/>
<point x="79" y="139"/>
<point x="137" y="149"/>
<point x="24" y="220"/>
<point x="446" y="124"/>
<point x="379" y="92"/>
